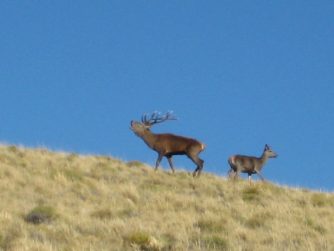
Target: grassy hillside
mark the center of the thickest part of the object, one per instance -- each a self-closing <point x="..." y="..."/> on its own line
<point x="60" y="201"/>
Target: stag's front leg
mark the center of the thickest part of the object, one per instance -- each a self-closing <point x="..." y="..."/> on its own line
<point x="158" y="161"/>
<point x="195" y="171"/>
<point x="170" y="161"/>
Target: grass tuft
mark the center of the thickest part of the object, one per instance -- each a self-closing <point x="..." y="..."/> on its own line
<point x="142" y="240"/>
<point x="41" y="214"/>
<point x="251" y="194"/>
<point x="212" y="225"/>
<point x="135" y="163"/>
<point x="321" y="200"/>
<point x="73" y="175"/>
<point x="102" y="214"/>
<point x="216" y="242"/>
<point x="10" y="236"/>
<point x="316" y="227"/>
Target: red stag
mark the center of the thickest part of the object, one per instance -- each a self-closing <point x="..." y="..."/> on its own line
<point x="248" y="164"/>
<point x="166" y="144"/>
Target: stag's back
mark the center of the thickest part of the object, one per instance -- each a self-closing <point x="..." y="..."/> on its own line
<point x="175" y="144"/>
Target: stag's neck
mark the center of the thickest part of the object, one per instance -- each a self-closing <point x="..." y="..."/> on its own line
<point x="149" y="138"/>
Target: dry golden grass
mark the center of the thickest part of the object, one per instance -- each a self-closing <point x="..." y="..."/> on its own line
<point x="60" y="201"/>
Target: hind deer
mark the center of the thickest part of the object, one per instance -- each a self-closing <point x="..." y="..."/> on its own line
<point x="248" y="164"/>
<point x="166" y="144"/>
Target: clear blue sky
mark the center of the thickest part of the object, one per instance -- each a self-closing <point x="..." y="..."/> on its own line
<point x="238" y="74"/>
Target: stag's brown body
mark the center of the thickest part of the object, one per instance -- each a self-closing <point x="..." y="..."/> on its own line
<point x="166" y="144"/>
<point x="170" y="144"/>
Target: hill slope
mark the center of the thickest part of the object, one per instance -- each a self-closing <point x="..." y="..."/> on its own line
<point x="60" y="201"/>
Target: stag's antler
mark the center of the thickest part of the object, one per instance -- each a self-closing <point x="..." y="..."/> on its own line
<point x="156" y="118"/>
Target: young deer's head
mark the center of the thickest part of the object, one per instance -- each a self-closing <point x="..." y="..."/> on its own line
<point x="143" y="127"/>
<point x="268" y="152"/>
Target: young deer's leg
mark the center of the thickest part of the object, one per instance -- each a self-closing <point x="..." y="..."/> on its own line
<point x="158" y="161"/>
<point x="237" y="174"/>
<point x="250" y="178"/>
<point x="170" y="161"/>
<point x="260" y="175"/>
<point x="231" y="173"/>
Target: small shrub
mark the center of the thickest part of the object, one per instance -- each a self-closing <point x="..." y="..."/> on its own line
<point x="139" y="238"/>
<point x="318" y="228"/>
<point x="254" y="222"/>
<point x="104" y="165"/>
<point x="319" y="200"/>
<point x="14" y="149"/>
<point x="216" y="242"/>
<point x="273" y="189"/>
<point x="127" y="212"/>
<point x="73" y="175"/>
<point x="72" y="156"/>
<point x="251" y="194"/>
<point x="102" y="214"/>
<point x="41" y="214"/>
<point x="142" y="240"/>
<point x="17" y="151"/>
<point x="135" y="163"/>
<point x="169" y="241"/>
<point x="301" y="202"/>
<point x="1" y="240"/>
<point x="212" y="225"/>
<point x="257" y="220"/>
<point x="9" y="237"/>
<point x="130" y="192"/>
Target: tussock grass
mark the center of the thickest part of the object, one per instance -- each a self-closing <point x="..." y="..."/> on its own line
<point x="41" y="214"/>
<point x="64" y="201"/>
<point x="251" y="193"/>
<point x="141" y="240"/>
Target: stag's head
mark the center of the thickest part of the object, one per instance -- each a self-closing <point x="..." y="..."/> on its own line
<point x="269" y="152"/>
<point x="140" y="128"/>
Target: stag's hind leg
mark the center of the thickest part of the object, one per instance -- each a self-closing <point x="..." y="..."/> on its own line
<point x="199" y="162"/>
<point x="170" y="161"/>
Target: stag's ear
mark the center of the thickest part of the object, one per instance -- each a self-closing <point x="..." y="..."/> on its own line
<point x="266" y="147"/>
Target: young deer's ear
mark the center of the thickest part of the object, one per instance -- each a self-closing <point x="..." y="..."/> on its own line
<point x="266" y="147"/>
